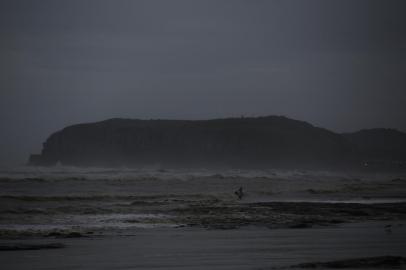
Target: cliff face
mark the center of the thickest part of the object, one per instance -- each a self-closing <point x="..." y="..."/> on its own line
<point x="248" y="142"/>
<point x="380" y="144"/>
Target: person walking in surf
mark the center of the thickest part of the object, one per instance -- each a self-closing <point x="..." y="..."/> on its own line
<point x="239" y="193"/>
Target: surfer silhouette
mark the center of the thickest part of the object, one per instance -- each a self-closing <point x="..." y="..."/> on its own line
<point x="239" y="193"/>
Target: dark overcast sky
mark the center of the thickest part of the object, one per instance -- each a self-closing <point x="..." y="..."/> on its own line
<point x="336" y="64"/>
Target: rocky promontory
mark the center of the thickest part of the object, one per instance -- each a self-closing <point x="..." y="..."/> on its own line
<point x="272" y="141"/>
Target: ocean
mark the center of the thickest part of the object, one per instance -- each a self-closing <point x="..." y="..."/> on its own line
<point x="63" y="201"/>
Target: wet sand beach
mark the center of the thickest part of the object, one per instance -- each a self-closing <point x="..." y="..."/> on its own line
<point x="190" y="248"/>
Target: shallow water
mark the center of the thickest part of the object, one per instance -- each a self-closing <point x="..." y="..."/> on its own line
<point x="188" y="248"/>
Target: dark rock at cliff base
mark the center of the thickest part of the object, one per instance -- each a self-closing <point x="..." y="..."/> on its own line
<point x="379" y="143"/>
<point x="272" y="141"/>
